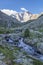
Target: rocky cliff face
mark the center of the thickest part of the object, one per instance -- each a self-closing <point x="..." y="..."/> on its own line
<point x="21" y="16"/>
<point x="8" y="21"/>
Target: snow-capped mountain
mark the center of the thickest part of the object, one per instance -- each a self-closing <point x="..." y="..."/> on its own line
<point x="20" y="16"/>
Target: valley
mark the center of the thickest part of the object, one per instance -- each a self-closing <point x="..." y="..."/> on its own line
<point x="21" y="43"/>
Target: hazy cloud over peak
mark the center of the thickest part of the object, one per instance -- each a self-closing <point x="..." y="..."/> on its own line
<point x="23" y="9"/>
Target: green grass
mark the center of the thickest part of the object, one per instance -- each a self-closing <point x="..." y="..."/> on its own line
<point x="6" y="52"/>
<point x="40" y="30"/>
<point x="9" y="55"/>
<point x="35" y="62"/>
<point x="3" y="31"/>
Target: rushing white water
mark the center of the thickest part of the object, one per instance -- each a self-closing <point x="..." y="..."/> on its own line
<point x="27" y="48"/>
<point x="30" y="50"/>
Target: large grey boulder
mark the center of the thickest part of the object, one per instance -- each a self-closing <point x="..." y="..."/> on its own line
<point x="2" y="63"/>
<point x="40" y="47"/>
<point x="31" y="41"/>
<point x="2" y="56"/>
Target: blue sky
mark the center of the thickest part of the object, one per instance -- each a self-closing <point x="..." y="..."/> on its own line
<point x="34" y="6"/>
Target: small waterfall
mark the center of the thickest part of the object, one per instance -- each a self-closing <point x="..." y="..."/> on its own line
<point x="30" y="50"/>
<point x="27" y="48"/>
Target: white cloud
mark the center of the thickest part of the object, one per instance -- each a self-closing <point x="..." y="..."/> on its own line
<point x="24" y="9"/>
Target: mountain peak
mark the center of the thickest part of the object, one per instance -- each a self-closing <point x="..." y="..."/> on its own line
<point x="22" y="16"/>
<point x="8" y="12"/>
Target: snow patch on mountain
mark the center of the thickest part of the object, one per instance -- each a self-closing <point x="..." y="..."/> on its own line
<point x="8" y="12"/>
<point x="22" y="16"/>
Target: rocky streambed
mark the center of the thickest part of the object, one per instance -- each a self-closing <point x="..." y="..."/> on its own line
<point x="30" y="50"/>
<point x="19" y="52"/>
<point x="27" y="48"/>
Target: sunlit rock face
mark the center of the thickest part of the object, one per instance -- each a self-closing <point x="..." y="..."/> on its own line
<point x="22" y="16"/>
